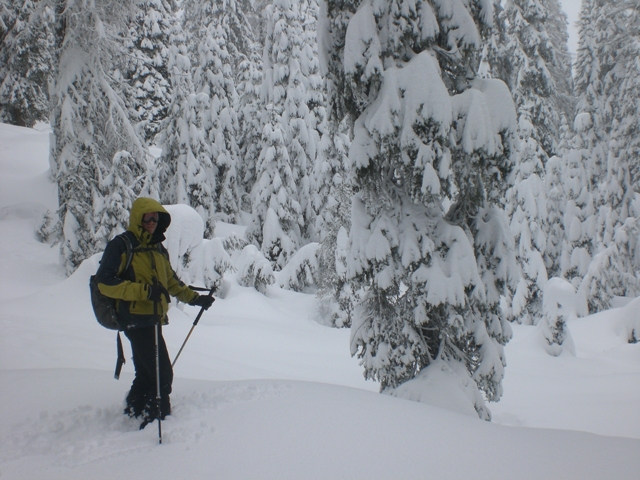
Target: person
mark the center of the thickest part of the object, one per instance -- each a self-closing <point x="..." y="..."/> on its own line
<point x="142" y="296"/>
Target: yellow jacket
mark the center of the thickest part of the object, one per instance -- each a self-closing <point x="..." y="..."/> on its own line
<point x="149" y="264"/>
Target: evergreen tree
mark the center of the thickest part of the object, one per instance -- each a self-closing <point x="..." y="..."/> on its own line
<point x="147" y="73"/>
<point x="277" y="216"/>
<point x="529" y="52"/>
<point x="312" y="116"/>
<point x="559" y="307"/>
<point x="560" y="67"/>
<point x="526" y="47"/>
<point x="607" y="122"/>
<point x="554" y="186"/>
<point x="214" y="187"/>
<point x="180" y="122"/>
<point x="201" y="133"/>
<point x="249" y="112"/>
<point x="290" y="137"/>
<point x="578" y="219"/>
<point x="622" y="94"/>
<point x="91" y="128"/>
<point x="427" y="133"/>
<point x="26" y="61"/>
<point x="590" y="123"/>
<point x="337" y="298"/>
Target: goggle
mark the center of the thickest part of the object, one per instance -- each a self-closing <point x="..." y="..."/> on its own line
<point x="152" y="219"/>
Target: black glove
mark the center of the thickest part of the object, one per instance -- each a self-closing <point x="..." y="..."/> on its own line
<point x="156" y="292"/>
<point x="204" y="301"/>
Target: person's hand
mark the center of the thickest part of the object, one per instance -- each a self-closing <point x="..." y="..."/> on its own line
<point x="204" y="301"/>
<point x="155" y="293"/>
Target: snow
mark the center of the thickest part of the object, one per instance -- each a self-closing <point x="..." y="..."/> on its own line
<point x="263" y="391"/>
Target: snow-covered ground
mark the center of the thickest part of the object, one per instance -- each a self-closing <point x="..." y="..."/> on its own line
<point x="262" y="391"/>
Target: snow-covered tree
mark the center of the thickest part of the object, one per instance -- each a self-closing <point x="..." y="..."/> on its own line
<point x="578" y="219"/>
<point x="181" y="135"/>
<point x="212" y="179"/>
<point x="607" y="124"/>
<point x="336" y="295"/>
<point x="427" y="134"/>
<point x="277" y="216"/>
<point x="529" y="51"/>
<point x="91" y="128"/>
<point x="302" y="270"/>
<point x="254" y="270"/>
<point x="26" y="61"/>
<point x="613" y="271"/>
<point x="147" y="73"/>
<point x="195" y="260"/>
<point x="622" y="94"/>
<point x="329" y="179"/>
<point x="280" y="196"/>
<point x="249" y="80"/>
<point x="200" y="153"/>
<point x="525" y="57"/>
<point x="118" y="187"/>
<point x="560" y="69"/>
<point x="554" y="188"/>
<point x="560" y="305"/>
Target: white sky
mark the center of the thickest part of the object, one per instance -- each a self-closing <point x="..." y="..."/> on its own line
<point x="572" y="9"/>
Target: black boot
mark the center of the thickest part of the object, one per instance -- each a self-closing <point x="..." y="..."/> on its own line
<point x="136" y="403"/>
<point x="149" y="414"/>
<point x="150" y="411"/>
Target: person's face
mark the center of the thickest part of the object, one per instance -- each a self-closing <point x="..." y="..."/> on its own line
<point x="150" y="222"/>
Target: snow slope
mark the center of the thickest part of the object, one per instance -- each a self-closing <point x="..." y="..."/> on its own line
<point x="264" y="392"/>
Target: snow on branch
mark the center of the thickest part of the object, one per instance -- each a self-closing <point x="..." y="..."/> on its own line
<point x="195" y="260"/>
<point x="302" y="270"/>
<point x="254" y="270"/>
<point x="559" y="306"/>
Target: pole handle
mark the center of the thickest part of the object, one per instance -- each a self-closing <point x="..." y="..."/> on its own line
<point x="195" y="322"/>
<point x="210" y="294"/>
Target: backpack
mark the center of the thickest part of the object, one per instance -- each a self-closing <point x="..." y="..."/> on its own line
<point x="104" y="307"/>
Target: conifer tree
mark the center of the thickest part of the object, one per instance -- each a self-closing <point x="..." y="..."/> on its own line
<point x="216" y="183"/>
<point x="289" y="141"/>
<point x="249" y="80"/>
<point x="529" y="52"/>
<point x="91" y="128"/>
<point x="554" y="187"/>
<point x="560" y="68"/>
<point x="425" y="134"/>
<point x="578" y="219"/>
<point x="622" y="94"/>
<point x="277" y="216"/>
<point x="26" y="61"/>
<point x="590" y="123"/>
<point x="607" y="122"/>
<point x="147" y="73"/>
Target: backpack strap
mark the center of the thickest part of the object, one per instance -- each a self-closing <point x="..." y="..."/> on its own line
<point x="129" y="246"/>
<point x="120" y="361"/>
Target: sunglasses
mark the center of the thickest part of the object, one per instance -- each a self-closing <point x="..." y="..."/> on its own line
<point x="151" y="219"/>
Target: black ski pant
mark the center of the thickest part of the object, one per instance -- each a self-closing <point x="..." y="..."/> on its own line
<point x="143" y="389"/>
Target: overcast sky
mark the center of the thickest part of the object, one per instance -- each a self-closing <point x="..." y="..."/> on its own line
<point x="572" y="9"/>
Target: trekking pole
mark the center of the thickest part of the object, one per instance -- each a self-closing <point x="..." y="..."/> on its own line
<point x="158" y="396"/>
<point x="210" y="294"/>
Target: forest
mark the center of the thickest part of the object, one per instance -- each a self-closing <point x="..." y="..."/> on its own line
<point x="434" y="170"/>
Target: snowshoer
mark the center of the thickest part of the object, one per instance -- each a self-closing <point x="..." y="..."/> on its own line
<point x="142" y="294"/>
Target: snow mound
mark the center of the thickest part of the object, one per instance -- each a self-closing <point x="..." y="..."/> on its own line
<point x="444" y="385"/>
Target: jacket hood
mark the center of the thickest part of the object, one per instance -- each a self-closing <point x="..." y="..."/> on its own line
<point x="144" y="205"/>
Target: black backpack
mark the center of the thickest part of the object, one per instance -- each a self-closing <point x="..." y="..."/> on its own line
<point x="104" y="307"/>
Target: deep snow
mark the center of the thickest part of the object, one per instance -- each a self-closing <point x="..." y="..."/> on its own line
<point x="262" y="391"/>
